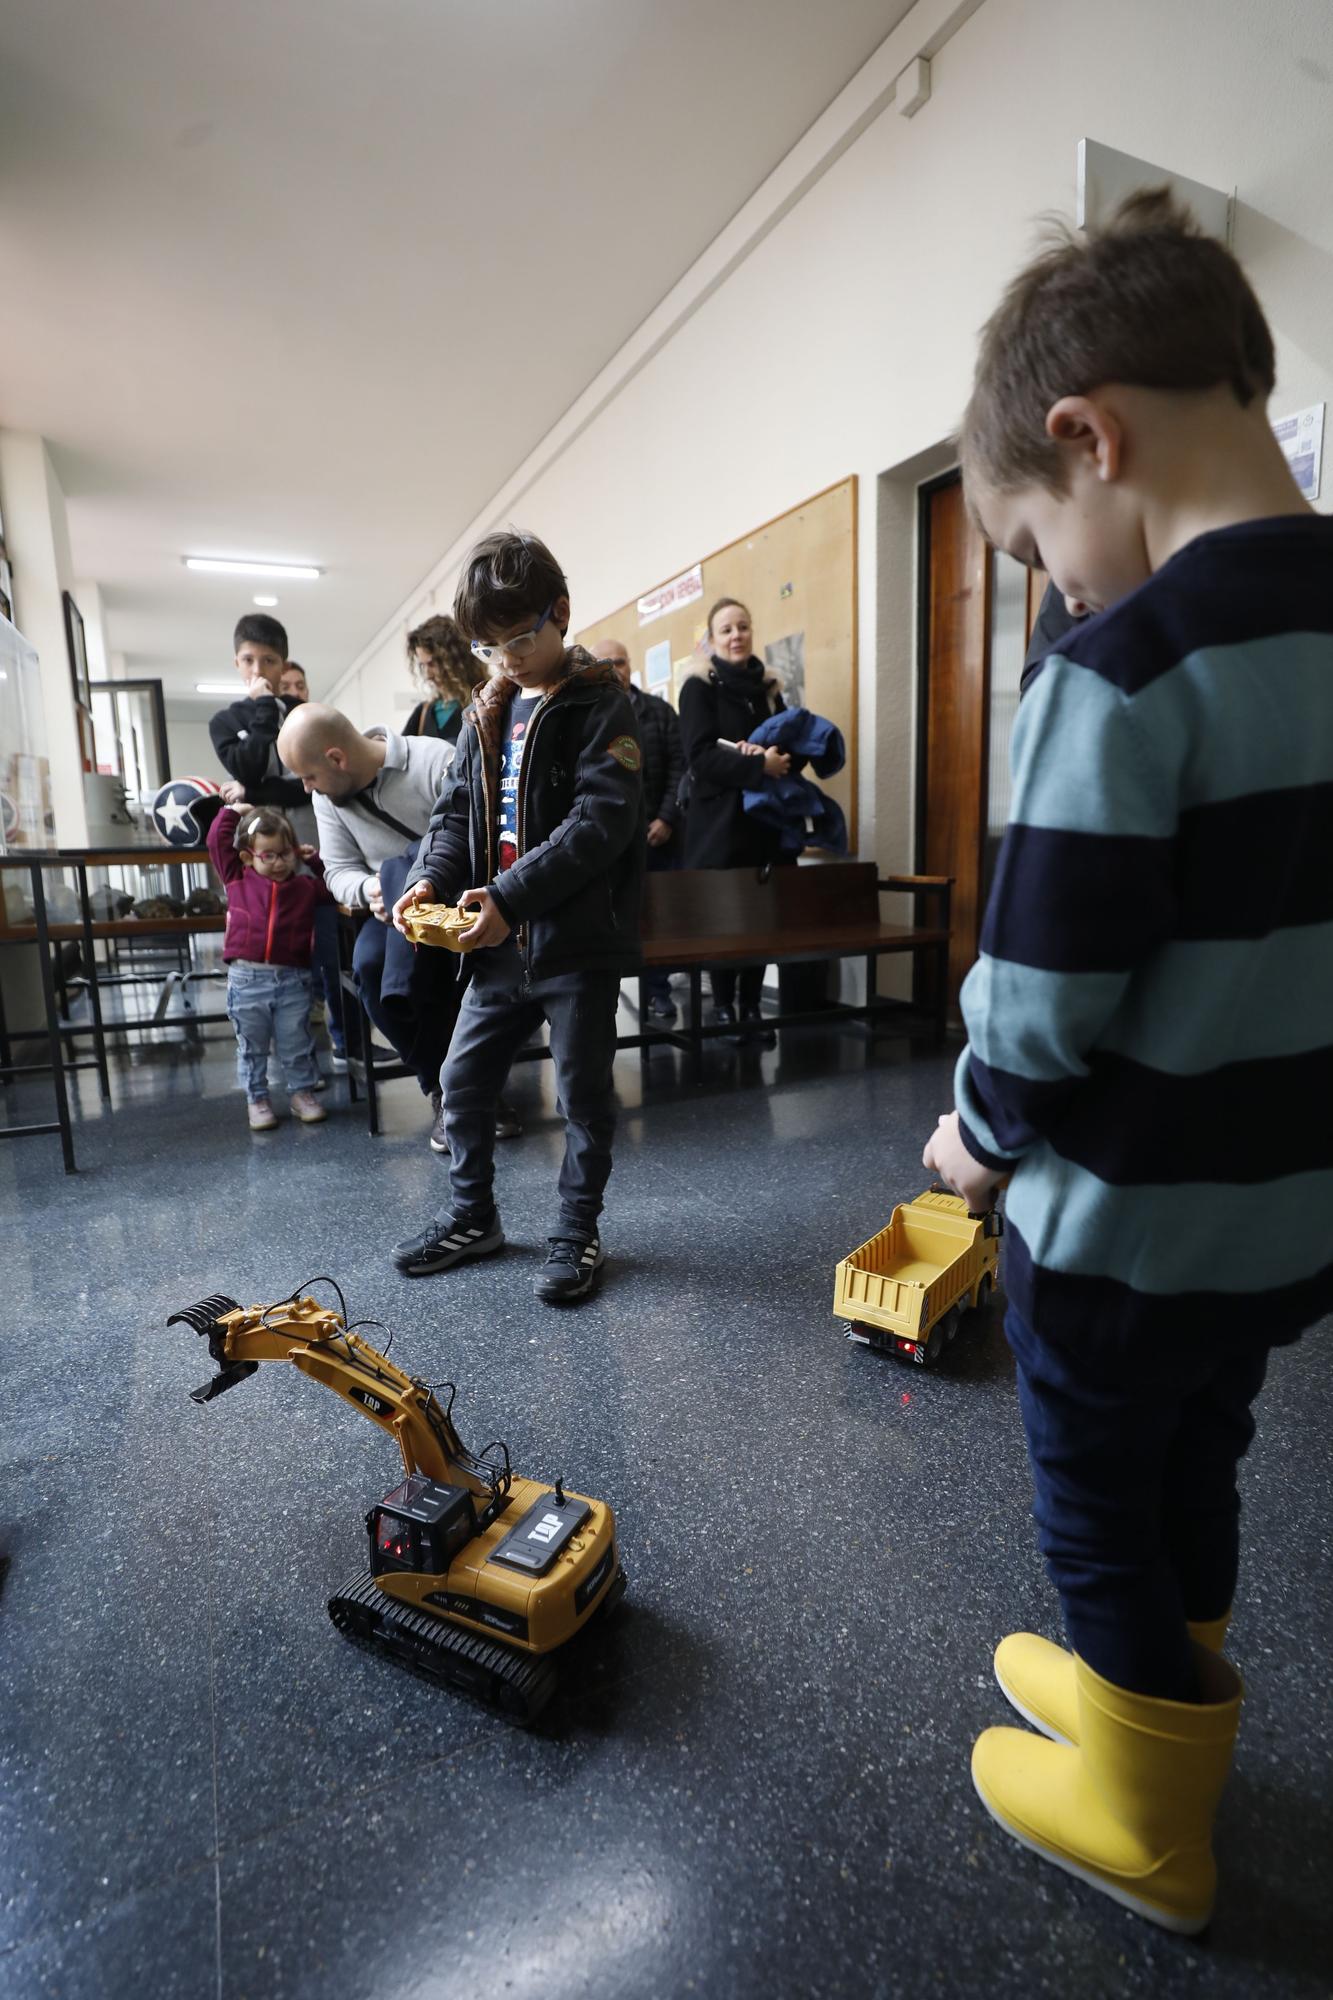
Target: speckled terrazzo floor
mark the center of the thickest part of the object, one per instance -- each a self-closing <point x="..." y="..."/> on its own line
<point x="758" y="1785"/>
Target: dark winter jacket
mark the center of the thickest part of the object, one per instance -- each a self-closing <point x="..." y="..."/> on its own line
<point x="245" y="738"/>
<point x="268" y="923"/>
<point x="721" y="701"/>
<point x="573" y="893"/>
<point x="663" y="755"/>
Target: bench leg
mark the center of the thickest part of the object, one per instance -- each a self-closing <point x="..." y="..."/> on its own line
<point x="697" y="1019"/>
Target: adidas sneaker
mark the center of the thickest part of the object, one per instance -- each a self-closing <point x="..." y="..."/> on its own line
<point x="449" y="1240"/>
<point x="572" y="1263"/>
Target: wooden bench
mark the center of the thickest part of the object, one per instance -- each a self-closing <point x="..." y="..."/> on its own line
<point x="696" y="918"/>
<point x="730" y="917"/>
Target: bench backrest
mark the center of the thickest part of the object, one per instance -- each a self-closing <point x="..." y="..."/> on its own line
<point x="730" y="902"/>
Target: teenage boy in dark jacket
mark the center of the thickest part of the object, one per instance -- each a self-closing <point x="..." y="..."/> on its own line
<point x="543" y="805"/>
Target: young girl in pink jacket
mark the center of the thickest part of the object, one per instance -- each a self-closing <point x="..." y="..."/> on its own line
<point x="270" y="931"/>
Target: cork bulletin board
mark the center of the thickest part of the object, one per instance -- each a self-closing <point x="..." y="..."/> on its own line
<point x="797" y="574"/>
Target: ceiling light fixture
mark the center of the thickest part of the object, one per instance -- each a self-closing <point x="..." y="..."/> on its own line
<point x="225" y="566"/>
<point x="216" y="687"/>
<point x="267" y="602"/>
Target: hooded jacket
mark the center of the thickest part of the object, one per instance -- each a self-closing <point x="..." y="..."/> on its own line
<point x="573" y="892"/>
<point x="721" y="705"/>
<point x="268" y="923"/>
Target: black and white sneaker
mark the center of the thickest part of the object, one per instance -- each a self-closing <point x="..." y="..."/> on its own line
<point x="572" y="1263"/>
<point x="447" y="1241"/>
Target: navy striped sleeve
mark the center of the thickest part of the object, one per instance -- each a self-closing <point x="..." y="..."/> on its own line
<point x="1084" y="893"/>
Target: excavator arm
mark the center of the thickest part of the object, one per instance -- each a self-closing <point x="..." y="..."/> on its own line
<point x="316" y="1339"/>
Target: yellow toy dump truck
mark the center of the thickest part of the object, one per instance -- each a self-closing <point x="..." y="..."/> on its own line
<point x="906" y="1290"/>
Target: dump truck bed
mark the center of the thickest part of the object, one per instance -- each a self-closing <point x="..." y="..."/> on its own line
<point x="931" y="1257"/>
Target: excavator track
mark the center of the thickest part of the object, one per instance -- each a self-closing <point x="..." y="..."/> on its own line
<point x="519" y="1685"/>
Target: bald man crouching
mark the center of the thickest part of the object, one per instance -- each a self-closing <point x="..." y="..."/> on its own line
<point x="373" y="794"/>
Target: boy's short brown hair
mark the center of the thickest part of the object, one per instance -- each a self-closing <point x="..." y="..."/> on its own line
<point x="507" y="576"/>
<point x="1148" y="299"/>
<point x="257" y="820"/>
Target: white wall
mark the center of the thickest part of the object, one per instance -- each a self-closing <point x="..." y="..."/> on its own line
<point x="37" y="538"/>
<point x="189" y="745"/>
<point x="843" y="342"/>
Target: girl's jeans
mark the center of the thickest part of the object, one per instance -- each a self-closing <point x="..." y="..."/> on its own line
<point x="269" y="1006"/>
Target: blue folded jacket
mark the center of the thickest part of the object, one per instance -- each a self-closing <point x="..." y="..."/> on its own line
<point x="802" y="814"/>
<point x="812" y="738"/>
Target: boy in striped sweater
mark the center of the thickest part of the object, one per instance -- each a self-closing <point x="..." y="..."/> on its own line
<point x="1150" y="1021"/>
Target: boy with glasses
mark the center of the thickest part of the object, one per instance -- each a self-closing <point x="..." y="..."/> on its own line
<point x="544" y="807"/>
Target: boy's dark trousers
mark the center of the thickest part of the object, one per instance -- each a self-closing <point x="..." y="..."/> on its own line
<point x="497" y="1016"/>
<point x="1134" y="1445"/>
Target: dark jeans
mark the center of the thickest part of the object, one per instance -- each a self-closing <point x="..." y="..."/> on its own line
<point x="661" y="861"/>
<point x="724" y="980"/>
<point x="324" y="966"/>
<point x="497" y="1016"/>
<point x="1134" y="1449"/>
<point x="422" y="1040"/>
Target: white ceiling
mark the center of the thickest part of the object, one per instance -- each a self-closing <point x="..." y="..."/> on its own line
<point x="307" y="279"/>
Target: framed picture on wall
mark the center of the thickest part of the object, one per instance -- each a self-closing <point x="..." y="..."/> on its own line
<point x="78" y="654"/>
<point x="7" y="589"/>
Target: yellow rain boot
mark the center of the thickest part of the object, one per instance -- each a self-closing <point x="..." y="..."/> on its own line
<point x="1037" y="1678"/>
<point x="1130" y="1808"/>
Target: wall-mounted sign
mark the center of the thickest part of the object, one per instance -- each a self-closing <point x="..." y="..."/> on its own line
<point x="657" y="665"/>
<point x="681" y="590"/>
<point x="1301" y="437"/>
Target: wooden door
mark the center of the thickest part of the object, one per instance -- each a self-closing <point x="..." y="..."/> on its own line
<point x="953" y="710"/>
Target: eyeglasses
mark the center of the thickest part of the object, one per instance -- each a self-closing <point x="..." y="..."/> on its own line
<point x="520" y="648"/>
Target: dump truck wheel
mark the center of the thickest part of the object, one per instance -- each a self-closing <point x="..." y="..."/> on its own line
<point x="985" y="1286"/>
<point x="935" y="1345"/>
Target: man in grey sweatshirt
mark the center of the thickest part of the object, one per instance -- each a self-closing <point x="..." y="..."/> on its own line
<point x="374" y="791"/>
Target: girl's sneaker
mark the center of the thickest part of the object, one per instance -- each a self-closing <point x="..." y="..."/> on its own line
<point x="304" y="1105"/>
<point x="263" y="1118"/>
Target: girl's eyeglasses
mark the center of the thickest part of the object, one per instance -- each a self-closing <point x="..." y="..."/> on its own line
<point x="520" y="648"/>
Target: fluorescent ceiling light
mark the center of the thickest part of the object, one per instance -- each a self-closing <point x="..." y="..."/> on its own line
<point x="217" y="687"/>
<point x="224" y="566"/>
<point x="267" y="602"/>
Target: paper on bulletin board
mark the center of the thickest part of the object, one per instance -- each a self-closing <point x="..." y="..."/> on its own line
<point x="657" y="665"/>
<point x="681" y="590"/>
<point x="1301" y="437"/>
<point x="680" y="672"/>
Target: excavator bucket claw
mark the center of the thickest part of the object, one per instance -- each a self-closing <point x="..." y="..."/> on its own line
<point x="204" y="1318"/>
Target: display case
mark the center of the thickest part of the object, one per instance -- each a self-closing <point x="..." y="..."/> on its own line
<point x="27" y="816"/>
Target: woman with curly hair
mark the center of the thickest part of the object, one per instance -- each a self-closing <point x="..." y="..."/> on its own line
<point x="443" y="664"/>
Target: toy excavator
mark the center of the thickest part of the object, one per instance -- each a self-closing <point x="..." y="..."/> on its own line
<point x="477" y="1578"/>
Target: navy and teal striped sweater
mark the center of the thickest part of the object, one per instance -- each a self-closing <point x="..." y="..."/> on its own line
<point x="1150" y="1022"/>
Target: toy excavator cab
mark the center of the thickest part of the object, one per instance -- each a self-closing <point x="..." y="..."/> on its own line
<point x="420" y="1526"/>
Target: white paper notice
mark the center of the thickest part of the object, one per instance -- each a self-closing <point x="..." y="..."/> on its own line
<point x="657" y="664"/>
<point x="1301" y="437"/>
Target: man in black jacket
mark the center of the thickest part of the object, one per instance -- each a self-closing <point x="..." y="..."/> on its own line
<point x="544" y="806"/>
<point x="663" y="769"/>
